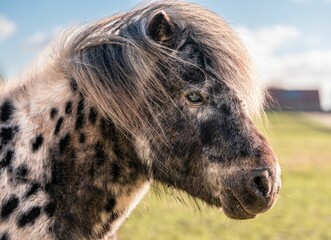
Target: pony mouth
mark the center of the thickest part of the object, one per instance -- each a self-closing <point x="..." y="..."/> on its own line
<point x="233" y="209"/>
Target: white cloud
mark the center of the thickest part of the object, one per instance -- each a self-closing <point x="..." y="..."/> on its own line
<point x="7" y="27"/>
<point x="39" y="40"/>
<point x="305" y="70"/>
<point x="266" y="40"/>
<point x="308" y="69"/>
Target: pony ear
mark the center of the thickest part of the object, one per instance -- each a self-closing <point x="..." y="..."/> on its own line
<point x="160" y="28"/>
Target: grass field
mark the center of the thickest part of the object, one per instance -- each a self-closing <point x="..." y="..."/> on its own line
<point x="303" y="210"/>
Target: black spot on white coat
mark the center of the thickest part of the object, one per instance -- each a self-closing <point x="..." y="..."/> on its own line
<point x="50" y="209"/>
<point x="58" y="126"/>
<point x="7" y="134"/>
<point x="6" y="111"/>
<point x="32" y="190"/>
<point x="53" y="113"/>
<point x="37" y="142"/>
<point x="7" y="159"/>
<point x="9" y="206"/>
<point x="21" y="173"/>
<point x="64" y="143"/>
<point x="29" y="217"/>
<point x="80" y="120"/>
<point x="4" y="236"/>
<point x="68" y="108"/>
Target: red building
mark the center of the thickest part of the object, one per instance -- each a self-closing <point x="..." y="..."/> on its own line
<point x="294" y="100"/>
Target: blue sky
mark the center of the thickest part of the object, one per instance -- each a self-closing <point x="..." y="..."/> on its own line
<point x="289" y="40"/>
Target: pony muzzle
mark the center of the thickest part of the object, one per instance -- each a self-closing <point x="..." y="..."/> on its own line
<point x="251" y="192"/>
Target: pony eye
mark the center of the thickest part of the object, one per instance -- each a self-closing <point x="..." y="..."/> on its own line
<point x="195" y="98"/>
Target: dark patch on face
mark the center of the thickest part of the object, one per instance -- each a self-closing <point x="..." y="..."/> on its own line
<point x="7" y="134"/>
<point x="193" y="75"/>
<point x="216" y="158"/>
<point x="191" y="53"/>
<point x="32" y="190"/>
<point x="80" y="115"/>
<point x="245" y="150"/>
<point x="257" y="153"/>
<point x="58" y="126"/>
<point x="7" y="110"/>
<point x="7" y="159"/>
<point x="50" y="209"/>
<point x="53" y="113"/>
<point x="208" y="131"/>
<point x="64" y="143"/>
<point x="5" y="236"/>
<point x="100" y="155"/>
<point x="226" y="109"/>
<point x="82" y="138"/>
<point x="9" y="206"/>
<point x="29" y="217"/>
<point x="68" y="108"/>
<point x="241" y="148"/>
<point x="218" y="89"/>
<point x="21" y="173"/>
<point x="93" y="115"/>
<point x="37" y="142"/>
<point x="73" y="85"/>
<point x="229" y="131"/>
<point x="115" y="171"/>
<point x="110" y="204"/>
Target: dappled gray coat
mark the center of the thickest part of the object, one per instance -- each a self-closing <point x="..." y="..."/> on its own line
<point x="163" y="92"/>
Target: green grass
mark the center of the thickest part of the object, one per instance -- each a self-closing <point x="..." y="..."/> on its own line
<point x="299" y="143"/>
<point x="303" y="210"/>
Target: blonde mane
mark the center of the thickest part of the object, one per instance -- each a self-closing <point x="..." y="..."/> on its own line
<point x="119" y="74"/>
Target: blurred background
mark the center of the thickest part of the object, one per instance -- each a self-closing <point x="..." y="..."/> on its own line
<point x="290" y="43"/>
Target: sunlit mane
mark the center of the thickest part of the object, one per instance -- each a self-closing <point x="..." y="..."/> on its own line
<point x="107" y="65"/>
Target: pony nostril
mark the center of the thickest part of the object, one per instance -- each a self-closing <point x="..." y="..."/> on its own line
<point x="261" y="185"/>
